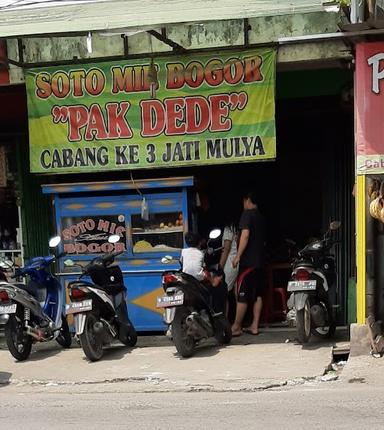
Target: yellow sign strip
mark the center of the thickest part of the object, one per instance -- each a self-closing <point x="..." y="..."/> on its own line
<point x="361" y="248"/>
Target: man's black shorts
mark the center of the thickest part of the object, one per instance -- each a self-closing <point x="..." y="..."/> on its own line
<point x="250" y="284"/>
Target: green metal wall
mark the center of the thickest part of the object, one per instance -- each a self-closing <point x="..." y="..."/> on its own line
<point x="36" y="214"/>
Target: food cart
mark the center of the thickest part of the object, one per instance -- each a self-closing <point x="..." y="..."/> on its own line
<point x="151" y="218"/>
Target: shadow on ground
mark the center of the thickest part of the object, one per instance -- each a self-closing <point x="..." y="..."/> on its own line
<point x="5" y="379"/>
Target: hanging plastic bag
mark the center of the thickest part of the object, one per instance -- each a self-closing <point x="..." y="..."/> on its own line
<point x="144" y="210"/>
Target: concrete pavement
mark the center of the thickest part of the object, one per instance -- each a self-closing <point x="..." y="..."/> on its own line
<point x="364" y="369"/>
<point x="333" y="405"/>
<point x="248" y="364"/>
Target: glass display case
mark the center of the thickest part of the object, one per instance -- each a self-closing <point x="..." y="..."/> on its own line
<point x="162" y="232"/>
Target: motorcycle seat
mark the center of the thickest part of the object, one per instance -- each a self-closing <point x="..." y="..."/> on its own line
<point x="112" y="289"/>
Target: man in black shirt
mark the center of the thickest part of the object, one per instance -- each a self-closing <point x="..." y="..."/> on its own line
<point x="251" y="257"/>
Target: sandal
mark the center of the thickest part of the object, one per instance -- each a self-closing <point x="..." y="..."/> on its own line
<point x="249" y="331"/>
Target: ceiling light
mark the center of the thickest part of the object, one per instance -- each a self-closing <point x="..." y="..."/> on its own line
<point x="89" y="43"/>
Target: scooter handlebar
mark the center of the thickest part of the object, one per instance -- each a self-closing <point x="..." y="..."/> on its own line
<point x="109" y="258"/>
<point x="106" y="259"/>
<point x="36" y="264"/>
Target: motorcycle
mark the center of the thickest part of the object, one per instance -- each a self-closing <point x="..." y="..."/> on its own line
<point x="34" y="312"/>
<point x="193" y="310"/>
<point x="314" y="273"/>
<point x="100" y="307"/>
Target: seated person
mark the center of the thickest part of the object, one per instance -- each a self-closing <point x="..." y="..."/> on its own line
<point x="192" y="261"/>
<point x="192" y="258"/>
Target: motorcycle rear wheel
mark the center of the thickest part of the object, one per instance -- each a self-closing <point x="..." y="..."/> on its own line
<point x="18" y="342"/>
<point x="91" y="342"/>
<point x="64" y="338"/>
<point x="185" y="343"/>
<point x="303" y="323"/>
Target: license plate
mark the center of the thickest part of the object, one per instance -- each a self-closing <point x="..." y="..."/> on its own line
<point x="301" y="285"/>
<point x="8" y="309"/>
<point x="170" y="301"/>
<point x="77" y="307"/>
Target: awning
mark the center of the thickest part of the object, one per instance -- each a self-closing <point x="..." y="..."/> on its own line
<point x="23" y="18"/>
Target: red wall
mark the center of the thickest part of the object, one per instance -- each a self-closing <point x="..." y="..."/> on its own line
<point x="4" y="75"/>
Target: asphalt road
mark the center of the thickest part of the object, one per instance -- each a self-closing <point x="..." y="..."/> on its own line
<point x="332" y="405"/>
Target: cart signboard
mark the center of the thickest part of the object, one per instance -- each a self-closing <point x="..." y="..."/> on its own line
<point x="170" y="111"/>
<point x="89" y="234"/>
<point x="369" y="108"/>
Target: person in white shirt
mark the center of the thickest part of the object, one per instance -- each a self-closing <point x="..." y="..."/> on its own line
<point x="228" y="254"/>
<point x="192" y="258"/>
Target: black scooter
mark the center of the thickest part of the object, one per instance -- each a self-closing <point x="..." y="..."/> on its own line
<point x="314" y="273"/>
<point x="193" y="310"/>
<point x="100" y="308"/>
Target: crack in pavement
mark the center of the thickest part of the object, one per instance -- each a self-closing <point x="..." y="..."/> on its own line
<point x="167" y="386"/>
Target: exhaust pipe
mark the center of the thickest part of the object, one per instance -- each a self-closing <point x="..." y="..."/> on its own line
<point x="37" y="334"/>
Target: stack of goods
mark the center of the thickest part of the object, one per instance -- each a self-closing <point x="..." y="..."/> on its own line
<point x="376" y="196"/>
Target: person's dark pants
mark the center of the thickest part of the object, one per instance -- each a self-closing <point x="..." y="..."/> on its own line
<point x="219" y="297"/>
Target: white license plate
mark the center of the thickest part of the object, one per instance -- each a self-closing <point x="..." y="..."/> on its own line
<point x="77" y="307"/>
<point x="170" y="301"/>
<point x="301" y="285"/>
<point x="8" y="309"/>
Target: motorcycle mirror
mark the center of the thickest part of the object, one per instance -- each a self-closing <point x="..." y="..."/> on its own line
<point x="54" y="241"/>
<point x="167" y="259"/>
<point x="335" y="225"/>
<point x="114" y="238"/>
<point x="69" y="263"/>
<point x="215" y="233"/>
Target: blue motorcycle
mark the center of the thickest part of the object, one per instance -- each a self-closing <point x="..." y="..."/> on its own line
<point x="35" y="311"/>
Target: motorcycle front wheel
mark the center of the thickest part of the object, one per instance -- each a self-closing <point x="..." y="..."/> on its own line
<point x="64" y="338"/>
<point x="18" y="342"/>
<point x="131" y="338"/>
<point x="185" y="343"/>
<point x="303" y="323"/>
<point x="325" y="332"/>
<point x="91" y="340"/>
<point x="223" y="330"/>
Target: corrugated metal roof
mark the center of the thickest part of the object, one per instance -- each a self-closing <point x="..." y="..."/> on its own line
<point x="33" y="4"/>
<point x="27" y="17"/>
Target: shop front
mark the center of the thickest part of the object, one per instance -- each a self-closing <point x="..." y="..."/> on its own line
<point x="370" y="182"/>
<point x="155" y="133"/>
<point x="150" y="149"/>
<point x="141" y="117"/>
